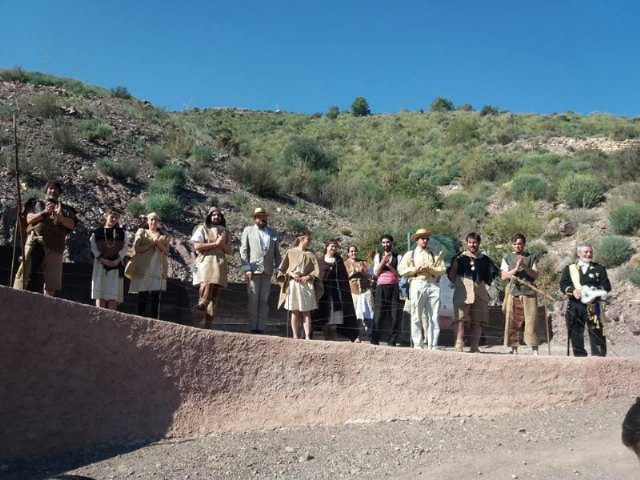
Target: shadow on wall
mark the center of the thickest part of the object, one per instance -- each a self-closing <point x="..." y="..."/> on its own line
<point x="104" y="385"/>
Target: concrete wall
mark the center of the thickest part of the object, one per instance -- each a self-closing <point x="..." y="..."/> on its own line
<point x="73" y="376"/>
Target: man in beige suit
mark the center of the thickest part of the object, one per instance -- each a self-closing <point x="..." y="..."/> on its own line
<point x="260" y="257"/>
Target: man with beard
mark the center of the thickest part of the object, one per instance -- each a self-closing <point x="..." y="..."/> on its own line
<point x="387" y="311"/>
<point x="48" y="223"/>
<point x="260" y="257"/>
<point x="471" y="272"/>
<point x="520" y="302"/>
<point x="585" y="283"/>
<point x="212" y="242"/>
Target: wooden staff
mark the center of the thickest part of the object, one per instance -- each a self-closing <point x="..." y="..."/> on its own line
<point x="18" y="227"/>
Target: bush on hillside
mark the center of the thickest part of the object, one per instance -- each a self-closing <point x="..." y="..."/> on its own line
<point x="44" y="105"/>
<point x="118" y="169"/>
<point x="202" y="154"/>
<point x="14" y="74"/>
<point x="360" y="107"/>
<point x="580" y="191"/>
<point x="625" y="219"/>
<point x="166" y="205"/>
<point x="441" y="104"/>
<point x="530" y="186"/>
<point x="256" y="176"/>
<point x="306" y="153"/>
<point x="518" y="219"/>
<point x="488" y="110"/>
<point x="456" y="200"/>
<point x="136" y="208"/>
<point x="462" y="131"/>
<point x="120" y="92"/>
<point x="156" y="156"/>
<point x="174" y="173"/>
<point x="65" y="138"/>
<point x="95" y="129"/>
<point x="613" y="251"/>
<point x="333" y="112"/>
<point x="633" y="274"/>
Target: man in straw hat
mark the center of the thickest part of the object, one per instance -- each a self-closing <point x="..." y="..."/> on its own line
<point x="423" y="270"/>
<point x="260" y="257"/>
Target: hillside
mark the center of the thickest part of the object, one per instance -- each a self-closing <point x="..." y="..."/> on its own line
<point x="347" y="177"/>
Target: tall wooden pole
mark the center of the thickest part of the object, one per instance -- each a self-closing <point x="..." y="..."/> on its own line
<point x="18" y="227"/>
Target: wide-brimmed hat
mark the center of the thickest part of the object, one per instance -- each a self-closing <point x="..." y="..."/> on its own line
<point x="259" y="211"/>
<point x="421" y="232"/>
<point x="153" y="215"/>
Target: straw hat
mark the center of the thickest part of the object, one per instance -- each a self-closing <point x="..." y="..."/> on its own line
<point x="259" y="211"/>
<point x="421" y="232"/>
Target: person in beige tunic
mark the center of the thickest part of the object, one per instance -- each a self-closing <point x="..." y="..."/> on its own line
<point x="212" y="242"/>
<point x="300" y="287"/>
<point x="149" y="277"/>
<point x="360" y="286"/>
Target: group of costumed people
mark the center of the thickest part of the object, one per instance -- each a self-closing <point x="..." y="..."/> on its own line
<point x="322" y="291"/>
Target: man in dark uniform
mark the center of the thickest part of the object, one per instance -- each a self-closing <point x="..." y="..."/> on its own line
<point x="585" y="282"/>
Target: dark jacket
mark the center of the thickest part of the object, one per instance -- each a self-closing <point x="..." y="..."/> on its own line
<point x="336" y="287"/>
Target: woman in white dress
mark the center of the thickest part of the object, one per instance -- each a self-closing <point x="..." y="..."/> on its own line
<point x="298" y="277"/>
<point x="151" y="247"/>
<point x="109" y="246"/>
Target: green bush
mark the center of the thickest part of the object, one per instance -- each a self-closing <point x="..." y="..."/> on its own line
<point x="488" y="110"/>
<point x="136" y="208"/>
<point x="44" y="164"/>
<point x="95" y="129"/>
<point x="461" y="131"/>
<point x="120" y="170"/>
<point x="258" y="177"/>
<point x="241" y="198"/>
<point x="90" y="175"/>
<point x="456" y="200"/>
<point x="171" y="173"/>
<point x="305" y="152"/>
<point x="625" y="219"/>
<point x="295" y="226"/>
<point x="333" y="112"/>
<point x="120" y="92"/>
<point x="156" y="156"/>
<point x="613" y="251"/>
<point x="14" y="74"/>
<point x="44" y="105"/>
<point x="166" y="205"/>
<point x="65" y="138"/>
<point x="360" y="107"/>
<point x="202" y="154"/>
<point x="441" y="104"/>
<point x="518" y="219"/>
<point x="529" y="186"/>
<point x="199" y="174"/>
<point x="633" y="275"/>
<point x="580" y="191"/>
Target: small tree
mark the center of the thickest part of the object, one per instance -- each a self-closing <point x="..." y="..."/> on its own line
<point x="488" y="110"/>
<point x="333" y="112"/>
<point x="360" y="107"/>
<point x="441" y="104"/>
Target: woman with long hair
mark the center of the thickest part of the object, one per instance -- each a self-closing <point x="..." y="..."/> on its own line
<point x="109" y="246"/>
<point x="151" y="247"/>
<point x="335" y="308"/>
<point x="299" y="289"/>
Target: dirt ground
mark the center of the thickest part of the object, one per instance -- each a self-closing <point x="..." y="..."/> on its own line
<point x="559" y="439"/>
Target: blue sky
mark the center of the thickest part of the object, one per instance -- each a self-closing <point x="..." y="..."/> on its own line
<point x="304" y="56"/>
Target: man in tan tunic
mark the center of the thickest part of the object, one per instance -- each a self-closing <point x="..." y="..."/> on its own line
<point x="212" y="242"/>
